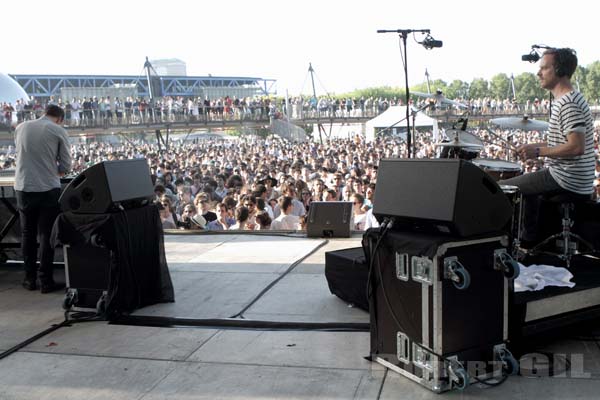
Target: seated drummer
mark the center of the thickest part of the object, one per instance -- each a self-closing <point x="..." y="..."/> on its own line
<point x="569" y="152"/>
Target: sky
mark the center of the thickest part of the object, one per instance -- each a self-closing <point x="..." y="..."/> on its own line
<point x="278" y="39"/>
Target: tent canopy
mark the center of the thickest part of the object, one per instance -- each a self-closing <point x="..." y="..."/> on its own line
<point x="394" y="114"/>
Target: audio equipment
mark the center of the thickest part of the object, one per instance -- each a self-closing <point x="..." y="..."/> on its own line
<point x="109" y="185"/>
<point x="87" y="270"/>
<point x="427" y="321"/>
<point x="347" y="274"/>
<point x="329" y="219"/>
<point x="446" y="196"/>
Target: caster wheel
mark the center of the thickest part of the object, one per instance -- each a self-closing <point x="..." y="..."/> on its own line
<point x="511" y="365"/>
<point x="464" y="279"/>
<point x="67" y="303"/>
<point x="101" y="306"/>
<point x="512" y="270"/>
<point x="463" y="379"/>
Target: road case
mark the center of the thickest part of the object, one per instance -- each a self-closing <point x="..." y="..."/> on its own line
<point x="439" y="307"/>
<point x="87" y="271"/>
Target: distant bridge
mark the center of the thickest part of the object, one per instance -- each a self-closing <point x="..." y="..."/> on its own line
<point x="189" y="123"/>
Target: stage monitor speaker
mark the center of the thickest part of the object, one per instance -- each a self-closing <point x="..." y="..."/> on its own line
<point x="329" y="219"/>
<point x="446" y="196"/>
<point x="108" y="186"/>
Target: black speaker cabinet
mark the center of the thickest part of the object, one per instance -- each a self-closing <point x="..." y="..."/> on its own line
<point x="347" y="274"/>
<point x="107" y="185"/>
<point x="329" y="219"/>
<point x="449" y="196"/>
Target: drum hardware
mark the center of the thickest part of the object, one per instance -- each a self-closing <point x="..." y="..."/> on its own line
<point x="460" y="138"/>
<point x="514" y="230"/>
<point x="461" y="144"/>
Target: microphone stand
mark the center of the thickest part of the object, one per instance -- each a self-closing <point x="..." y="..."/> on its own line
<point x="403" y="34"/>
<point x="414" y="114"/>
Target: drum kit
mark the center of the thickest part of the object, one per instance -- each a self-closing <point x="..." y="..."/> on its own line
<point x="464" y="145"/>
<point x="461" y="143"/>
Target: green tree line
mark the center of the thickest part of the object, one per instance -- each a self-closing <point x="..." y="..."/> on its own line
<point x="526" y="87"/>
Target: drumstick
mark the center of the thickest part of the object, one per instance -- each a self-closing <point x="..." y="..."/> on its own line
<point x="491" y="142"/>
<point x="502" y="139"/>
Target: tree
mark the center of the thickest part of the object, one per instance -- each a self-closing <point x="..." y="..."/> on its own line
<point x="375" y="92"/>
<point x="478" y="89"/>
<point x="528" y="87"/>
<point x="421" y="87"/>
<point x="591" y="86"/>
<point x="457" y="89"/>
<point x="500" y="87"/>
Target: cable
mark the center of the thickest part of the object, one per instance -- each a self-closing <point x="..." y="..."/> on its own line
<point x="402" y="53"/>
<point x="280" y="277"/>
<point x="230" y="323"/>
<point x="79" y="317"/>
<point x="303" y="84"/>
<point x="372" y="252"/>
<point x="487" y="382"/>
<point x="389" y="305"/>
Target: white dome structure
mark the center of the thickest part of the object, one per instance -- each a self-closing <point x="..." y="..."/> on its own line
<point x="10" y="90"/>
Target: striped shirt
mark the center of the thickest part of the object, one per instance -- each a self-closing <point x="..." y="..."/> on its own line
<point x="570" y="114"/>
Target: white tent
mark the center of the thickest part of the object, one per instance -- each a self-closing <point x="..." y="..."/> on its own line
<point x="392" y="115"/>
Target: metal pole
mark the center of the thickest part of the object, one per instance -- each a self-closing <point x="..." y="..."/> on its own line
<point x="404" y="35"/>
<point x="312" y="80"/>
<point x="147" y="66"/>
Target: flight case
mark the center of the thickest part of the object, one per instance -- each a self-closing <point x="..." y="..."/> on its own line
<point x="87" y="270"/>
<point x="439" y="307"/>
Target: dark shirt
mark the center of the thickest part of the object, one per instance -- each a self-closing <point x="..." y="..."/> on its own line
<point x="210" y="216"/>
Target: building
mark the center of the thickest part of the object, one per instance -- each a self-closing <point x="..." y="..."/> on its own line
<point x="169" y="67"/>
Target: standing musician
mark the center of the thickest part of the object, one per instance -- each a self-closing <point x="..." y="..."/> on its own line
<point x="43" y="156"/>
<point x="570" y="147"/>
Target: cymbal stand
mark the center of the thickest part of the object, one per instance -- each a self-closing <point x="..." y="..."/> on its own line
<point x="509" y="145"/>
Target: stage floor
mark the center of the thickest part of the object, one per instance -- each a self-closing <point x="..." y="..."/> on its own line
<point x="218" y="276"/>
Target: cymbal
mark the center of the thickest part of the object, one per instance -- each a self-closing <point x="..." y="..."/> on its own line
<point x="524" y="123"/>
<point x="458" y="143"/>
<point x="463" y="136"/>
<point x="439" y="98"/>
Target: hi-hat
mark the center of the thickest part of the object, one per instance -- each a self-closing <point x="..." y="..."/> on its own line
<point x="524" y="123"/>
<point x="458" y="143"/>
<point x="463" y="137"/>
<point x="439" y="98"/>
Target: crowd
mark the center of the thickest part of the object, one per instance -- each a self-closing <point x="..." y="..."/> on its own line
<point x="257" y="183"/>
<point x="107" y="111"/>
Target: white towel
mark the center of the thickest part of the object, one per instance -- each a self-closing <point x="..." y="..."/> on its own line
<point x="537" y="277"/>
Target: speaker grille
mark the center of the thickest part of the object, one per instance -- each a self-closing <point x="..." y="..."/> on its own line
<point x="87" y="195"/>
<point x="74" y="203"/>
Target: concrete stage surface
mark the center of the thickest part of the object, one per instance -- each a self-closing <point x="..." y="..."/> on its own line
<point x="219" y="276"/>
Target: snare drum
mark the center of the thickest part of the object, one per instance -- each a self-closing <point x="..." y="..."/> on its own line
<point x="514" y="227"/>
<point x="498" y="169"/>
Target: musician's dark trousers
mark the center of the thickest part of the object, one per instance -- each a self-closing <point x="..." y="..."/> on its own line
<point x="37" y="212"/>
<point x="534" y="187"/>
